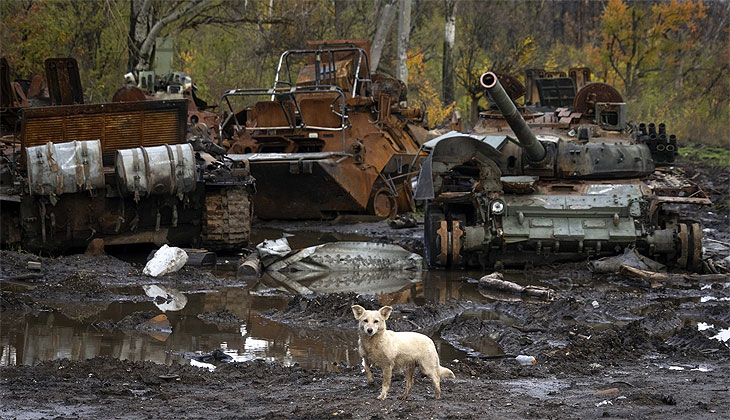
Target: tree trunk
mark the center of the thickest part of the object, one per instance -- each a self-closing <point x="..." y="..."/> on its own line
<point x="474" y="110"/>
<point x="341" y="7"/>
<point x="385" y="21"/>
<point x="447" y="70"/>
<point x="140" y="15"/>
<point x="144" y="28"/>
<point x="404" y="34"/>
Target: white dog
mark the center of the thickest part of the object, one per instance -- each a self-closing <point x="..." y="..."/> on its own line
<point x="400" y="350"/>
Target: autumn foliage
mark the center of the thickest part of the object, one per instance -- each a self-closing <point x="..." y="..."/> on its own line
<point x="669" y="59"/>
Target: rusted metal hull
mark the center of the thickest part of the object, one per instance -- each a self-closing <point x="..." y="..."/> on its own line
<point x="328" y="138"/>
<point x="293" y="188"/>
<point x="77" y="218"/>
<point x="197" y="200"/>
<point x="36" y="225"/>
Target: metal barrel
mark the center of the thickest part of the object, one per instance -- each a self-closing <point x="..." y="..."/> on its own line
<point x="534" y="149"/>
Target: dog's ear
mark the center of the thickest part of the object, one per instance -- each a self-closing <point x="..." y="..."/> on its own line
<point x="357" y="310"/>
<point x="385" y="311"/>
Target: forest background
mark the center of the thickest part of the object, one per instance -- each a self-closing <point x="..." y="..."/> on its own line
<point x="669" y="59"/>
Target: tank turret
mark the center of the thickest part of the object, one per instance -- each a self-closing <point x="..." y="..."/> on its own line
<point x="562" y="178"/>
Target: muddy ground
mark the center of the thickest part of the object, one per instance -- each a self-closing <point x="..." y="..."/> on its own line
<point x="607" y="346"/>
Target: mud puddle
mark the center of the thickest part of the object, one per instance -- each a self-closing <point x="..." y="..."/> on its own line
<point x="229" y="319"/>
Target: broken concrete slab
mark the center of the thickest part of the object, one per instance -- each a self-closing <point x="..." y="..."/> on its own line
<point x="167" y="259"/>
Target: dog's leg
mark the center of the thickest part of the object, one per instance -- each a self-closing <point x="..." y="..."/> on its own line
<point x="368" y="372"/>
<point x="409" y="371"/>
<point x="436" y="378"/>
<point x="387" y="374"/>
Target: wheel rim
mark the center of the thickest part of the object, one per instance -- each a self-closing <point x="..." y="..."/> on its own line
<point x="384" y="204"/>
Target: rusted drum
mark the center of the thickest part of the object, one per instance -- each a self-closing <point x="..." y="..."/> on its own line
<point x="128" y="94"/>
<point x="167" y="169"/>
<point x="62" y="168"/>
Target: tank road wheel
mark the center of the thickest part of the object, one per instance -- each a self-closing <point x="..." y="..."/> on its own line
<point x="383" y="203"/>
<point x="431" y="237"/>
<point x="683" y="236"/>
<point x="695" y="242"/>
<point x="690" y="246"/>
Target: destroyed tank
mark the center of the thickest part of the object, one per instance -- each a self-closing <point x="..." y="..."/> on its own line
<point x="328" y="138"/>
<point x="126" y="172"/>
<point x="571" y="183"/>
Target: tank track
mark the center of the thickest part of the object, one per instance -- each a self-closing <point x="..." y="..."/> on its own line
<point x="228" y="216"/>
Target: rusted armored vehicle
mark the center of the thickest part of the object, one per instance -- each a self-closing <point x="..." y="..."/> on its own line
<point x="327" y="138"/>
<point x="574" y="181"/>
<point x="126" y="172"/>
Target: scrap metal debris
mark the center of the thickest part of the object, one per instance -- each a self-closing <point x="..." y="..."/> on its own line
<point x="338" y="266"/>
<point x="273" y="248"/>
<point x="630" y="258"/>
<point x="250" y="266"/>
<point x="350" y="256"/>
<point x="403" y="221"/>
<point x="497" y="282"/>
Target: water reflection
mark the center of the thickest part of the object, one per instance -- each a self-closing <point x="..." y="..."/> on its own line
<point x="373" y="282"/>
<point x="31" y="338"/>
<point x="50" y="336"/>
<point x="166" y="298"/>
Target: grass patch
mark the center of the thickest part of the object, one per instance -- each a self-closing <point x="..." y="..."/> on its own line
<point x="716" y="156"/>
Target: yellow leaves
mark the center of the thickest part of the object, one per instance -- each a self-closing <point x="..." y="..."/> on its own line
<point x="615" y="16"/>
<point x="671" y="16"/>
<point x="415" y="63"/>
<point x="187" y="58"/>
<point x="421" y="90"/>
<point x="526" y="52"/>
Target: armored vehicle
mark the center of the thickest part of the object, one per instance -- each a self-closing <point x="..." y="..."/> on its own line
<point x="570" y="183"/>
<point x="127" y="172"/>
<point x="327" y="138"/>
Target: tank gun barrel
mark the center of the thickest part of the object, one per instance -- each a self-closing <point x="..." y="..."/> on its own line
<point x="534" y="149"/>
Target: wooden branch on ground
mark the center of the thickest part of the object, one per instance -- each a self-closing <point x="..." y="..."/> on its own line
<point x="654" y="276"/>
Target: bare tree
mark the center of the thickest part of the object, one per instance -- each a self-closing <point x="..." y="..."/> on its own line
<point x="404" y="33"/>
<point x="447" y="69"/>
<point x="146" y="22"/>
<point x="384" y="22"/>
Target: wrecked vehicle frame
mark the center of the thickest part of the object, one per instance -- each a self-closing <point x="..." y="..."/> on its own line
<point x="292" y="141"/>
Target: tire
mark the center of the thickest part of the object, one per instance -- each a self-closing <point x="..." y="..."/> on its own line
<point x="431" y="242"/>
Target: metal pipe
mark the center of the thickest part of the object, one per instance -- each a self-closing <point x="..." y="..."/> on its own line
<point x="534" y="149"/>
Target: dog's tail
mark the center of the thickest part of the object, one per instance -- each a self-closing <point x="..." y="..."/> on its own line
<point x="446" y="372"/>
